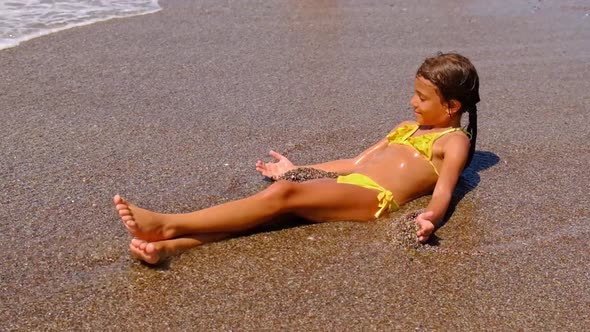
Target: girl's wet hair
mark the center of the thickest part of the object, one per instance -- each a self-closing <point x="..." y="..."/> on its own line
<point x="456" y="79"/>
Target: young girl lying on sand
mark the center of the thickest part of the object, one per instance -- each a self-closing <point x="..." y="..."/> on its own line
<point x="416" y="158"/>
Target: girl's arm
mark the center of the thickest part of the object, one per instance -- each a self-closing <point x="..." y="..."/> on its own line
<point x="342" y="166"/>
<point x="347" y="166"/>
<point x="455" y="152"/>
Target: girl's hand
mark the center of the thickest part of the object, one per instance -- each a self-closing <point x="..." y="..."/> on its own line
<point x="276" y="169"/>
<point x="426" y="226"/>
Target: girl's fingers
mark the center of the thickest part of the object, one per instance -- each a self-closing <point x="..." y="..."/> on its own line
<point x="276" y="155"/>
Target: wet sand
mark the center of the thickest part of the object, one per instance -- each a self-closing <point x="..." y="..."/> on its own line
<point x="172" y="110"/>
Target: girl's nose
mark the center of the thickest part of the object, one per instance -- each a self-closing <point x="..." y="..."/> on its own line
<point x="414" y="101"/>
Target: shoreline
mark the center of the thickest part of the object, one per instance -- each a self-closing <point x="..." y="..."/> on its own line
<point x="12" y="41"/>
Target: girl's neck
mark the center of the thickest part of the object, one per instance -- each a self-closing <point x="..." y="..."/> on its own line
<point x="453" y="123"/>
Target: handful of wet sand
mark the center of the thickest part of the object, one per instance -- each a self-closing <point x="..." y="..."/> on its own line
<point x="302" y="174"/>
<point x="403" y="231"/>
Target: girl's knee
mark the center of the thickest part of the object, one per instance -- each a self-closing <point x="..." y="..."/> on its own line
<point x="281" y="190"/>
<point x="278" y="194"/>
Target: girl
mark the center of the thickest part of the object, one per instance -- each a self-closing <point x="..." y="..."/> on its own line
<point x="416" y="158"/>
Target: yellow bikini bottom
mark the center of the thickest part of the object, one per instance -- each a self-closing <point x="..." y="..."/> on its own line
<point x="385" y="196"/>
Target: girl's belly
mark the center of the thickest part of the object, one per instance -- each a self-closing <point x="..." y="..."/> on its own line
<point x="401" y="170"/>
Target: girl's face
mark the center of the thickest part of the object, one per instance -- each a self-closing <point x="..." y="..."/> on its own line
<point x="428" y="107"/>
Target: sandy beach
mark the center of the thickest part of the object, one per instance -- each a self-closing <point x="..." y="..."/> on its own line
<point x="172" y="110"/>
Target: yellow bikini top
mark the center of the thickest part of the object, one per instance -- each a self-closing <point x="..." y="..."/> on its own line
<point x="422" y="143"/>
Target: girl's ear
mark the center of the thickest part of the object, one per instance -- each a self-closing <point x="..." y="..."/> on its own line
<point x="454" y="106"/>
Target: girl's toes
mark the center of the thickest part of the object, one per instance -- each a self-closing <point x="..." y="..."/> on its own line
<point x="118" y="200"/>
<point x="150" y="249"/>
<point x="124" y="212"/>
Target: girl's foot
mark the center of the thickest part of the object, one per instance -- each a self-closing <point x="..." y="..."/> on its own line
<point x="142" y="224"/>
<point x="156" y="252"/>
<point x="149" y="252"/>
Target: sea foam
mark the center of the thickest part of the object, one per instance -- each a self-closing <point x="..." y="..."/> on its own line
<point x="21" y="20"/>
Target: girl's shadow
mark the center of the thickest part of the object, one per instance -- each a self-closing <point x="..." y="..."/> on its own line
<point x="470" y="179"/>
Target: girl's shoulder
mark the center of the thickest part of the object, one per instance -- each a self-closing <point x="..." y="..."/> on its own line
<point x="459" y="135"/>
<point x="456" y="142"/>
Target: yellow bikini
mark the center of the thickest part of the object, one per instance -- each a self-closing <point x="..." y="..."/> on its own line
<point x="401" y="135"/>
<point x="423" y="143"/>
<point x="385" y="196"/>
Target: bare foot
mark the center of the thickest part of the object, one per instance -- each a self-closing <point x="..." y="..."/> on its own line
<point x="149" y="252"/>
<point x="156" y="252"/>
<point x="142" y="224"/>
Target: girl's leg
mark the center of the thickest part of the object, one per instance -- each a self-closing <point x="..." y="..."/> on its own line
<point x="317" y="200"/>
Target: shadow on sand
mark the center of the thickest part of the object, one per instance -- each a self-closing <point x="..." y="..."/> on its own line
<point x="470" y="179"/>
